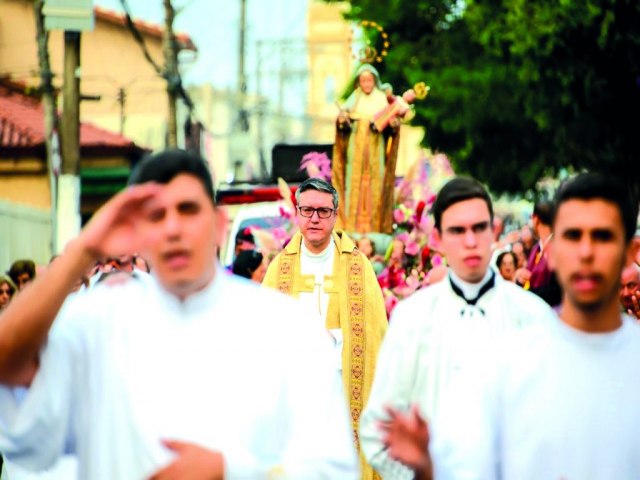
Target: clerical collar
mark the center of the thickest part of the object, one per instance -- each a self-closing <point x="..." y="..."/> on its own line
<point x="472" y="292"/>
<point x="317" y="257"/>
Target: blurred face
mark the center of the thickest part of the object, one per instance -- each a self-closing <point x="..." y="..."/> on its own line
<point x="397" y="252"/>
<point x="409" y="96"/>
<point x="465" y="238"/>
<point x="316" y="231"/>
<point x="23" y="280"/>
<point x="259" y="273"/>
<point x="5" y="294"/>
<point x="527" y="236"/>
<point x="364" y="245"/>
<point x="629" y="283"/>
<point x="508" y="267"/>
<point x="121" y="262"/>
<point x="518" y="250"/>
<point x="181" y="233"/>
<point x="367" y="81"/>
<point x="588" y="252"/>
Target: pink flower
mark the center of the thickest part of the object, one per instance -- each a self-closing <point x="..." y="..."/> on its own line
<point x="284" y="213"/>
<point x="411" y="248"/>
<point x="390" y="302"/>
<point x="317" y="165"/>
<point x="399" y="216"/>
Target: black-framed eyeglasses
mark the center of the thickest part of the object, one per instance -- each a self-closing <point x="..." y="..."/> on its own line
<point x="323" y="212"/>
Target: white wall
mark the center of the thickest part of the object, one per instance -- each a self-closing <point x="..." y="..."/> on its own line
<point x="25" y="233"/>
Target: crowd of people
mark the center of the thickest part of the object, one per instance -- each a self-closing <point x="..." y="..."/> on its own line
<point x="500" y="356"/>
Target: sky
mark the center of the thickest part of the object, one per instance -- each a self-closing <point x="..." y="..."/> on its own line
<point x="213" y="25"/>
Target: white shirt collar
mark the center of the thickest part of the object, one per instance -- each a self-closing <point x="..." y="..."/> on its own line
<point x="470" y="290"/>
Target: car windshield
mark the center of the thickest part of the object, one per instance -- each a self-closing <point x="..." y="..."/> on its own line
<point x="263" y="223"/>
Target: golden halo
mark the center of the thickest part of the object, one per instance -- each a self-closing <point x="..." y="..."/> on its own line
<point x="370" y="53"/>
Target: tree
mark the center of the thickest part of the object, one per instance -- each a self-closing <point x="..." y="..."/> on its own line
<point x="520" y="89"/>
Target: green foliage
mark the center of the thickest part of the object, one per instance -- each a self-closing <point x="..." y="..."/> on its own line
<point x="520" y="89"/>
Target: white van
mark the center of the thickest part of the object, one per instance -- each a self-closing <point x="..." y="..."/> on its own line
<point x="263" y="216"/>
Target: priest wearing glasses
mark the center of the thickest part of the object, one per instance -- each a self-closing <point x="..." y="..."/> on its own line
<point x="337" y="286"/>
<point x="439" y="330"/>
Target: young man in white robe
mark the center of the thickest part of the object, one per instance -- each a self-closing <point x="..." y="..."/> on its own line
<point x="437" y="332"/>
<point x="187" y="375"/>
<point x="558" y="400"/>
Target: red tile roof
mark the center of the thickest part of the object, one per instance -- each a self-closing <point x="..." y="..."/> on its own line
<point x="22" y="126"/>
<point x="144" y="27"/>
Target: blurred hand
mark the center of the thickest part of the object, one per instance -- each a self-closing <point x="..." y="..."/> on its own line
<point x="112" y="230"/>
<point x="192" y="463"/>
<point x="635" y="310"/>
<point x="406" y="436"/>
<point x="522" y="276"/>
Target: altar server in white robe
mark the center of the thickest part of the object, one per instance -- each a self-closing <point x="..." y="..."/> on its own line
<point x="193" y="374"/>
<point x="434" y="334"/>
<point x="559" y="399"/>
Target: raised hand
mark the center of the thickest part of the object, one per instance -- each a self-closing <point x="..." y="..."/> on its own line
<point x="406" y="436"/>
<point x="635" y="310"/>
<point x="112" y="230"/>
<point x="192" y="463"/>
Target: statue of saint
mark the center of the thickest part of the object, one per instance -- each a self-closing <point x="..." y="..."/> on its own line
<point x="365" y="153"/>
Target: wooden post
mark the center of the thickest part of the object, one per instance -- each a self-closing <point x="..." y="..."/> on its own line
<point x="69" y="180"/>
<point x="50" y="118"/>
<point x="70" y="128"/>
<point x="171" y="72"/>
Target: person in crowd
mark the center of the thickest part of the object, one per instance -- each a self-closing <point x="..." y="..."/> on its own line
<point x="528" y="240"/>
<point x="368" y="247"/>
<point x="245" y="240"/>
<point x="537" y="276"/>
<point x="7" y="290"/>
<point x="394" y="274"/>
<point x="434" y="334"/>
<point x="337" y="287"/>
<point x="630" y="289"/>
<point x="517" y="248"/>
<point x="22" y="272"/>
<point x="506" y="264"/>
<point x="558" y="400"/>
<point x="143" y="378"/>
<point x="250" y="264"/>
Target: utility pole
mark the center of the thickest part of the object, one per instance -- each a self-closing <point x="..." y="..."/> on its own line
<point x="50" y="118"/>
<point x="72" y="19"/>
<point x="70" y="129"/>
<point x="69" y="180"/>
<point x="171" y="72"/>
<point x="122" y="99"/>
<point x="242" y="79"/>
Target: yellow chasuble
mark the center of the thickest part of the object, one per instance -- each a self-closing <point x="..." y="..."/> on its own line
<point x="355" y="306"/>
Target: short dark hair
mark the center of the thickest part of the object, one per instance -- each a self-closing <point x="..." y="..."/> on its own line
<point x="315" y="183"/>
<point x="457" y="190"/>
<point x="164" y="166"/>
<point x="245" y="235"/>
<point x="246" y="263"/>
<point x="544" y="211"/>
<point x="22" y="266"/>
<point x="504" y="254"/>
<point x="591" y="186"/>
